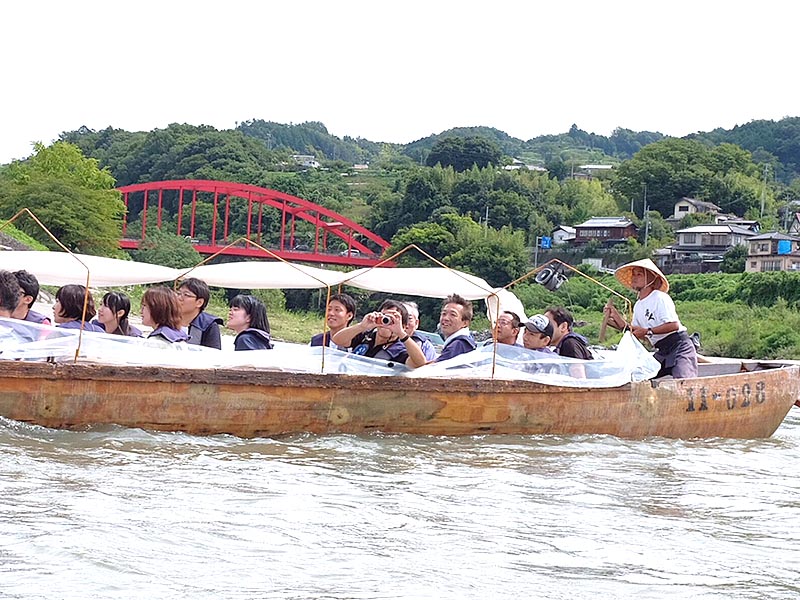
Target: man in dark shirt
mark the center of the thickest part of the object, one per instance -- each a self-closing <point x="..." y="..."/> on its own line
<point x="203" y="328"/>
<point x="30" y="287"/>
<point x="340" y="313"/>
<point x="567" y="342"/>
<point x="382" y="335"/>
<point x="454" y="322"/>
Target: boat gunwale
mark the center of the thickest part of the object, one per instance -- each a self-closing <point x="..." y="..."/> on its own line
<point x="254" y="377"/>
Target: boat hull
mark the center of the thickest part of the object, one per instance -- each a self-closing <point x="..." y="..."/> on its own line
<point x="249" y="403"/>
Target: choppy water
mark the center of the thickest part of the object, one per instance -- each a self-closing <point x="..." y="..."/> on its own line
<point x="121" y="513"/>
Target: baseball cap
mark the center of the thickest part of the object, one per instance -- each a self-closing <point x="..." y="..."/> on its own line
<point x="540" y="324"/>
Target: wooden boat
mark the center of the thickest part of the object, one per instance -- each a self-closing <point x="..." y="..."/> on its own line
<point x="735" y="400"/>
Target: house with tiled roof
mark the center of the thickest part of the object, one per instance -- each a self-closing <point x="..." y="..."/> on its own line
<point x="689" y="206"/>
<point x="773" y="251"/>
<point x="710" y="239"/>
<point x="563" y="234"/>
<point x="609" y="231"/>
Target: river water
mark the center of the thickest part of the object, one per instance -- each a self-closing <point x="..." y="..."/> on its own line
<point x="123" y="513"/>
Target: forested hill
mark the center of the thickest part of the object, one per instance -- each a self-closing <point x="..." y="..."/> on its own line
<point x="771" y="142"/>
<point x="256" y="142"/>
<point x="575" y="145"/>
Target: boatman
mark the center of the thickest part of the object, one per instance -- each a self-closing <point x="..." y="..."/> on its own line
<point x="655" y="318"/>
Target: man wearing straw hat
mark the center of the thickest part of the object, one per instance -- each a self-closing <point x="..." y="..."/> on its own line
<point x="655" y="318"/>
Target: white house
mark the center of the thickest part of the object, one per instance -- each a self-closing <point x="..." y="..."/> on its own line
<point x="689" y="206"/>
<point x="563" y="234"/>
<point x="306" y="160"/>
<point x="710" y="239"/>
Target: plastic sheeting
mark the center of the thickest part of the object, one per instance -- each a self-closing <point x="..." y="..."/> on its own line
<point x="630" y="362"/>
<point x="20" y="340"/>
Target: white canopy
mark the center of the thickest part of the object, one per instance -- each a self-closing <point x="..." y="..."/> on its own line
<point x="61" y="268"/>
<point x="433" y="282"/>
<point x="266" y="275"/>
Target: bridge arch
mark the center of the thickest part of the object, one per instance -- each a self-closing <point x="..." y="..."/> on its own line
<point x="214" y="213"/>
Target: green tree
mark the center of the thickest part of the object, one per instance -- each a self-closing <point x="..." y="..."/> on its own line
<point x="668" y="170"/>
<point x="735" y="259"/>
<point x="70" y="194"/>
<point x="433" y="238"/>
<point x="167" y="249"/>
<point x="462" y="153"/>
<point x="499" y="256"/>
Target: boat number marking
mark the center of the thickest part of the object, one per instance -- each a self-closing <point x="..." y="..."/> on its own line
<point x="735" y="397"/>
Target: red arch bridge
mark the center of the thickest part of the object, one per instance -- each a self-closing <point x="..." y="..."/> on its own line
<point x="212" y="214"/>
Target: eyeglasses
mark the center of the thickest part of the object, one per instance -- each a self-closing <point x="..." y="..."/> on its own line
<point x="188" y="295"/>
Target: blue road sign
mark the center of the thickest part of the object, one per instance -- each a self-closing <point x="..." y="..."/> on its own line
<point x="547" y="243"/>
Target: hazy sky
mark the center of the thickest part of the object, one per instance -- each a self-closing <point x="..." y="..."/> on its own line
<point x="395" y="71"/>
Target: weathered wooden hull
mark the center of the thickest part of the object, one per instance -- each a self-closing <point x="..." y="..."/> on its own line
<point x="248" y="403"/>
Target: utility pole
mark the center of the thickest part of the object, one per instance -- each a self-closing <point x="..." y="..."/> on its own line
<point x="644" y="216"/>
<point x="764" y="190"/>
<point x="486" y="222"/>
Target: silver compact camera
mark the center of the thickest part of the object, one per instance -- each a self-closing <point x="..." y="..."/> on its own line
<point x="386" y="319"/>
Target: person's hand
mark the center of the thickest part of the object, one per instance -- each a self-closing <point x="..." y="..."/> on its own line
<point x="396" y="327"/>
<point x="370" y="321"/>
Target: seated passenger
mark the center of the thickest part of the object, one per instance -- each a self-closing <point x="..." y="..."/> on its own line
<point x="411" y="329"/>
<point x="68" y="310"/>
<point x="454" y="323"/>
<point x="506" y="329"/>
<point x="161" y="311"/>
<point x="30" y="287"/>
<point x="202" y="328"/>
<point x="538" y="333"/>
<point x="340" y="313"/>
<point x="11" y="294"/>
<point x="382" y="335"/>
<point x="567" y="342"/>
<point x="112" y="315"/>
<point x="248" y="318"/>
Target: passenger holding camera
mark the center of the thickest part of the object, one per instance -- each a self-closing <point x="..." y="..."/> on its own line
<point x="382" y="335"/>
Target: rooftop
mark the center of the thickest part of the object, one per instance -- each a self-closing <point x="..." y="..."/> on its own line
<point x="606" y="222"/>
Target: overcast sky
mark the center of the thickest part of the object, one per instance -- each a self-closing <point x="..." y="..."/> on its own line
<point x="395" y="71"/>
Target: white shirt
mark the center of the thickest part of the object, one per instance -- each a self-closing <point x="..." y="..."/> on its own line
<point x="654" y="310"/>
<point x="463" y="331"/>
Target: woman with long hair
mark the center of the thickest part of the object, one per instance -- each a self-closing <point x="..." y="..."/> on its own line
<point x="161" y="311"/>
<point x="248" y="318"/>
<point x="68" y="310"/>
<point x="113" y="313"/>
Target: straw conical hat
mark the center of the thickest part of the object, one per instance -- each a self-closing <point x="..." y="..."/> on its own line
<point x="625" y="273"/>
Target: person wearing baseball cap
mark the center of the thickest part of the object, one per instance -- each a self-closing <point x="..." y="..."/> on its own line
<point x="538" y="333"/>
<point x="655" y="319"/>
